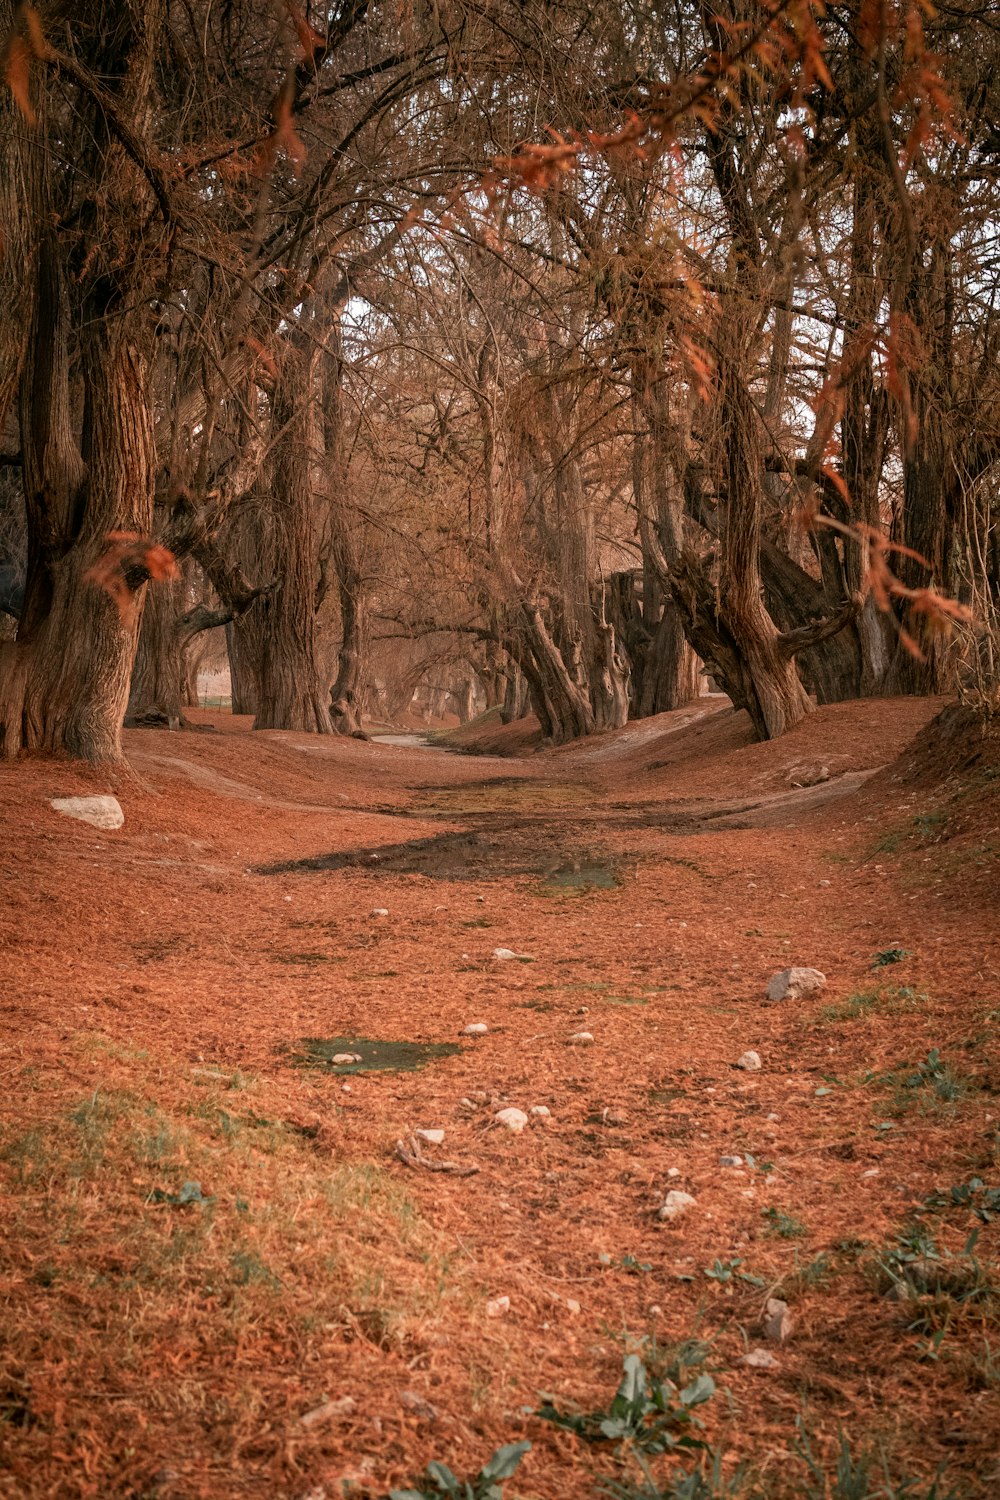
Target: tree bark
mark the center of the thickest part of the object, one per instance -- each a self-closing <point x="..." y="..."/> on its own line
<point x="290" y="693"/>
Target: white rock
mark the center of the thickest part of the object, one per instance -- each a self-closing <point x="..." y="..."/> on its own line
<point x="477" y="1028"/>
<point x="760" y="1359"/>
<point x="730" y="1161"/>
<point x="750" y="1062"/>
<point x="99" y="812"/>
<point x="342" y="1407"/>
<point x="503" y="954"/>
<point x="497" y="1306"/>
<point x="572" y="1306"/>
<point x="675" y="1203"/>
<point x="673" y="1171"/>
<point x="778" y="1322"/>
<point x="511" y="1119"/>
<point x="540" y="1111"/>
<point x="795" y="984"/>
<point x="580" y="1039"/>
<point x="825" y="882"/>
<point x="380" y="911"/>
<point x="430" y="1137"/>
<point x="346" y="1057"/>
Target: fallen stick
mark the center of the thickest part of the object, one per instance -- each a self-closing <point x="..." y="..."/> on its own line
<point x="410" y="1153"/>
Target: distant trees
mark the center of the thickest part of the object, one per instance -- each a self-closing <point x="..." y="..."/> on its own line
<point x="606" y="350"/>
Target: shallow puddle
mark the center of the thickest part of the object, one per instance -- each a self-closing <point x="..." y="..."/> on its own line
<point x="368" y="1054"/>
<point x="582" y="875"/>
<point x="465" y="856"/>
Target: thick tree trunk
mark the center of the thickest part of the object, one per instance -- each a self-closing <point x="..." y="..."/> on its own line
<point x="242" y="640"/>
<point x="290" y="693"/>
<point x="515" y="701"/>
<point x="155" y="693"/>
<point x="345" y="695"/>
<point x="65" y="682"/>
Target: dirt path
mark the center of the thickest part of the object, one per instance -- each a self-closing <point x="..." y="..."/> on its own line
<point x="203" y="1241"/>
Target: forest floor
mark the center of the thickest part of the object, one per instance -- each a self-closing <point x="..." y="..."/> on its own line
<point x="219" y="1279"/>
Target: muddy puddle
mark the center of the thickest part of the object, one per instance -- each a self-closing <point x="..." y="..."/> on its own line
<point x="465" y="856"/>
<point x="363" y="1054"/>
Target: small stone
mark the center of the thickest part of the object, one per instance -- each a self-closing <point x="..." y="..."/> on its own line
<point x="730" y="1161"/>
<point x="580" y="1039"/>
<point x="477" y="1028"/>
<point x="511" y="1119"/>
<point x="540" y="1111"/>
<point x="380" y="911"/>
<point x="760" y="1359"/>
<point x="339" y="1059"/>
<point x="504" y="954"/>
<point x="342" y="1407"/>
<point x="572" y="1306"/>
<point x="750" y="1062"/>
<point x="795" y="984"/>
<point x="345" y="1088"/>
<point x="872" y="1172"/>
<point x="778" y="1322"/>
<point x="469" y="1104"/>
<point x="99" y="812"/>
<point x="415" y="1403"/>
<point x="675" y="1204"/>
<point x="826" y="882"/>
<point x="430" y="1137"/>
<point x="497" y="1306"/>
<point x="655" y="1310"/>
<point x="673" y="1171"/>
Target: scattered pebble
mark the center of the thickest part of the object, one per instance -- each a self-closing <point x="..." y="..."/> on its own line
<point x="580" y="1039"/>
<point x="345" y="1088"/>
<point x="655" y="1310"/>
<point x="415" y="1403"/>
<point x="572" y="1306"/>
<point x="760" y="1359"/>
<point x="795" y="984"/>
<point x="342" y="1407"/>
<point x="673" y="1171"/>
<point x="511" y="1119"/>
<point x="339" y="1059"/>
<point x="872" y="1172"/>
<point x="497" y="1306"/>
<point x="430" y="1137"/>
<point x="826" y="882"/>
<point x="540" y="1111"/>
<point x="730" y="1161"/>
<point x="675" y="1204"/>
<point x="477" y="1028"/>
<point x="778" y="1321"/>
<point x="380" y="911"/>
<point x="750" y="1062"/>
<point x="506" y="954"/>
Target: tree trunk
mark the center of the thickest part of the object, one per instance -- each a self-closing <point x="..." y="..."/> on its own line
<point x="290" y="693"/>
<point x="155" y="694"/>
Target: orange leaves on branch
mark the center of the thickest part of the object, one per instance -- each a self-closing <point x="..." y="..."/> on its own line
<point x="284" y="134"/>
<point x="537" y="167"/>
<point x="129" y="561"/>
<point x="939" y="613"/>
<point x="311" y="41"/>
<point x="16" y="56"/>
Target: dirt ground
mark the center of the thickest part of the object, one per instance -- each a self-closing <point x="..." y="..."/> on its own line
<point x="219" y="1279"/>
